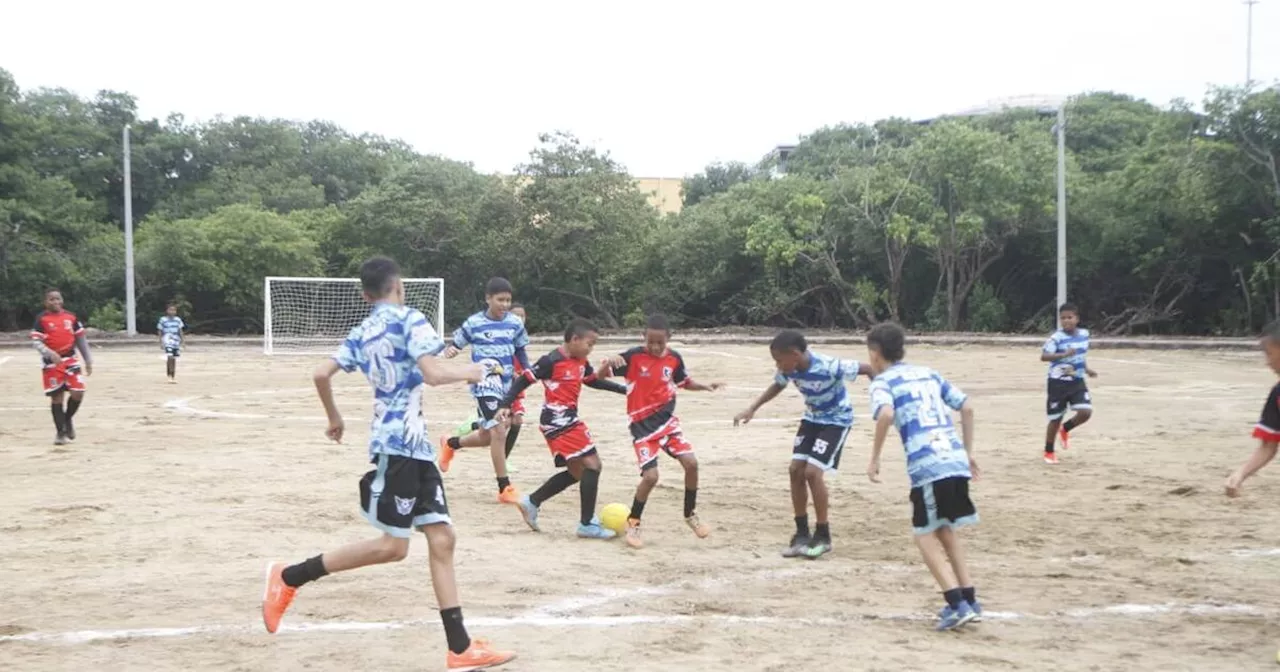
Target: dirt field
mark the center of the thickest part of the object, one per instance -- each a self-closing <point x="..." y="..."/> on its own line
<point x="142" y="545"/>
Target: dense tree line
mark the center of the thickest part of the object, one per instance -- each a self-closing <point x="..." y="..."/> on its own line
<point x="1174" y="217"/>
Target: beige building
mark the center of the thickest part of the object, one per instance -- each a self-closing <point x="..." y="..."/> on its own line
<point x="663" y="192"/>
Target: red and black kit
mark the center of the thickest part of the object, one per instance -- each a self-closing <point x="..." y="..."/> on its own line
<point x="1268" y="427"/>
<point x="651" y="403"/>
<point x="562" y="378"/>
<point x="59" y="331"/>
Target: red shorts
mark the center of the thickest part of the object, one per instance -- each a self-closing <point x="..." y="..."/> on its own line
<point x="517" y="406"/>
<point x="673" y="444"/>
<point x="570" y="443"/>
<point x="63" y="376"/>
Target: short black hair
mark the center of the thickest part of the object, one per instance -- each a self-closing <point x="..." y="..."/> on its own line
<point x="1068" y="307"/>
<point x="579" y="327"/>
<point x="889" y="340"/>
<point x="1271" y="332"/>
<point x="657" y="322"/>
<point x="498" y="286"/>
<point x="50" y="290"/>
<point x="377" y="275"/>
<point x="789" y="339"/>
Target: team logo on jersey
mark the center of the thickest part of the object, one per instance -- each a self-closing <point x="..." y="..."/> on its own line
<point x="405" y="506"/>
<point x="666" y="373"/>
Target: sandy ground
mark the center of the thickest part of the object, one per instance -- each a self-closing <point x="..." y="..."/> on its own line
<point x="1126" y="556"/>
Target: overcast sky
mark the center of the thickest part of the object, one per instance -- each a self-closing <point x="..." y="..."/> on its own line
<point x="665" y="86"/>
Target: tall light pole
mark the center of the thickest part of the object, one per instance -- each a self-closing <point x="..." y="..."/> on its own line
<point x="130" y="306"/>
<point x="1248" y="49"/>
<point x="1061" y="129"/>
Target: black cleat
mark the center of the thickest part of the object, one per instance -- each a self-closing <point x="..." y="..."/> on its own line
<point x="70" y="431"/>
<point x="799" y="547"/>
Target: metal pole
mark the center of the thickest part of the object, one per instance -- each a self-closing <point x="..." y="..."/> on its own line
<point x="131" y="308"/>
<point x="1248" y="50"/>
<point x="1062" y="211"/>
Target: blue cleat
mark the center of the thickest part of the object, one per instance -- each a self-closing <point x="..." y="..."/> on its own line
<point x="951" y="618"/>
<point x="976" y="606"/>
<point x="529" y="511"/>
<point x="595" y="530"/>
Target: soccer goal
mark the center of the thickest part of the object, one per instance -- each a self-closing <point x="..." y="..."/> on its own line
<point x="311" y="316"/>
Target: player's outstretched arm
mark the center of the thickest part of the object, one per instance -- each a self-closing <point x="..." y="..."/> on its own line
<point x="884" y="420"/>
<point x="1262" y="455"/>
<point x="691" y="384"/>
<point x="606" y="385"/>
<point x="323" y="379"/>
<point x="436" y="371"/>
<point x="82" y="344"/>
<point x="765" y="397"/>
<point x="966" y="437"/>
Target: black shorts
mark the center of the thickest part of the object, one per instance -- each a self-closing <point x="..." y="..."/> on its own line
<point x="943" y="503"/>
<point x="402" y="494"/>
<point x="487" y="409"/>
<point x="819" y="445"/>
<point x="173" y="350"/>
<point x="1064" y="394"/>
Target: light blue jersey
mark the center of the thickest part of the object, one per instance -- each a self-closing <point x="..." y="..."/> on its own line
<point x="826" y="400"/>
<point x="1068" y="368"/>
<point x="170" y="328"/>
<point x="386" y="347"/>
<point x="495" y="340"/>
<point x="922" y="402"/>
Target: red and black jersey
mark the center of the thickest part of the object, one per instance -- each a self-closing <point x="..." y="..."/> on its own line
<point x="58" y="331"/>
<point x="562" y="378"/>
<point x="651" y="390"/>
<point x="1268" y="427"/>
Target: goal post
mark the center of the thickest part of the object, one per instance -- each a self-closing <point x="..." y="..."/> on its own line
<point x="311" y="316"/>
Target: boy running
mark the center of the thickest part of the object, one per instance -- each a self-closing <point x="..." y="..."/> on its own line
<point x="395" y="347"/>
<point x="816" y="450"/>
<point x="563" y="372"/>
<point x="1267" y="431"/>
<point x="653" y="372"/>
<point x="170" y="329"/>
<point x="919" y="402"/>
<point x="1065" y="351"/>
<point x="57" y="334"/>
<point x="495" y="335"/>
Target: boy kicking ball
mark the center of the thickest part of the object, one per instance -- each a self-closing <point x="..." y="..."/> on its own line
<point x="918" y="401"/>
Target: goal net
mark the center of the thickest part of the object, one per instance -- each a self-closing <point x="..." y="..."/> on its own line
<point x="311" y="316"/>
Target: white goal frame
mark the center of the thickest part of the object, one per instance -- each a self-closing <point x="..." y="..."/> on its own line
<point x="268" y="333"/>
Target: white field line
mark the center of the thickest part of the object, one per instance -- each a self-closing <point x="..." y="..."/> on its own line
<point x="4" y="359"/>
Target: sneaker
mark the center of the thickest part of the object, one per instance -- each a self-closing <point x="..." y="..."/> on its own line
<point x="703" y="531"/>
<point x="276" y="598"/>
<point x="818" y="548"/>
<point x="446" y="454"/>
<point x="799" y="546"/>
<point x="529" y="511"/>
<point x="975" y="605"/>
<point x="70" y="430"/>
<point x="1050" y="458"/>
<point x="594" y="530"/>
<point x="509" y="495"/>
<point x="951" y="618"/>
<point x="633" y="533"/>
<point x="478" y="656"/>
<point x="61" y="439"/>
<point x="1064" y="438"/>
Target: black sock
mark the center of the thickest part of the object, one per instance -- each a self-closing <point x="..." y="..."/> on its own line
<point x="504" y="482"/>
<point x="170" y="366"/>
<point x="73" y="405"/>
<point x="1048" y="447"/>
<point x="589" y="489"/>
<point x="475" y="426"/>
<point x="304" y="572"/>
<point x="454" y="631"/>
<point x="637" y="508"/>
<point x="59" y="417"/>
<point x="690" y="501"/>
<point x="554" y="486"/>
<point x="512" y="435"/>
<point x="802" y="525"/>
<point x="454" y="442"/>
<point x="822" y="531"/>
<point x="954" y="597"/>
<point x="969" y="594"/>
<point x="1069" y="425"/>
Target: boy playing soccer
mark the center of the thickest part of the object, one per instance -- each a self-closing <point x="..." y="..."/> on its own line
<point x="653" y="372"/>
<point x="1065" y="351"/>
<point x="396" y="348"/>
<point x="170" y="329"/>
<point x="563" y="373"/>
<point x="57" y="334"/>
<point x="1267" y="431"/>
<point x="919" y="402"/>
<point x="827" y="418"/>
<point x="497" y="335"/>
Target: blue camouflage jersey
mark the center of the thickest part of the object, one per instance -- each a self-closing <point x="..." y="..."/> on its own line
<point x="170" y="328"/>
<point x="825" y="398"/>
<point x="386" y="347"/>
<point x="1071" y="368"/>
<point x="496" y="341"/>
<point x="922" y="402"/>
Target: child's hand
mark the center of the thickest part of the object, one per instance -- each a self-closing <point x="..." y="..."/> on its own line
<point x="88" y="369"/>
<point x="1234" y="482"/>
<point x="335" y="430"/>
<point x="450" y="352"/>
<point x="503" y="415"/>
<point x="613" y="362"/>
<point x="715" y="386"/>
<point x="974" y="470"/>
<point x="743" y="417"/>
<point x="1091" y="373"/>
<point x="873" y="470"/>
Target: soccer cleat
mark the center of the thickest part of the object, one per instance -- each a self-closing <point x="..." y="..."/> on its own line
<point x="70" y="430"/>
<point x="277" y="597"/>
<point x="594" y="530"/>
<point x="1064" y="437"/>
<point x="818" y="548"/>
<point x="799" y="546"/>
<point x="478" y="656"/>
<point x="1050" y="458"/>
<point x="951" y="618"/>
<point x="509" y="495"/>
<point x="529" y="511"/>
<point x="975" y="605"/>
<point x="703" y="531"/>
<point x="446" y="454"/>
<point x="60" y="440"/>
<point x="633" y="533"/>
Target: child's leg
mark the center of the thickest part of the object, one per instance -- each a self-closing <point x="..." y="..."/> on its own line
<point x="818" y="486"/>
<point x="59" y="412"/>
<point x="935" y="557"/>
<point x="498" y="455"/>
<point x="648" y="481"/>
<point x="480" y="437"/>
<point x="1081" y="416"/>
<point x="1051" y="434"/>
<point x="690" y="464"/>
<point x="441" y="541"/>
<point x="800" y="497"/>
<point x="377" y="551"/>
<point x="513" y="433"/>
<point x="955" y="551"/>
<point x="589" y="484"/>
<point x="171" y="365"/>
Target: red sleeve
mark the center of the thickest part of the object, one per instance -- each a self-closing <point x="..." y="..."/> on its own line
<point x="1268" y="427"/>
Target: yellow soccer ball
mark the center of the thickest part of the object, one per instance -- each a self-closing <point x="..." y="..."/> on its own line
<point x="614" y="517"/>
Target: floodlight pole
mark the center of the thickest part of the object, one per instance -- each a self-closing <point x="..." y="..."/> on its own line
<point x="1062" y="211"/>
<point x="131" y="307"/>
<point x="1248" y="49"/>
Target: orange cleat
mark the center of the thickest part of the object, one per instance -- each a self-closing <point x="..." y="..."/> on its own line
<point x="478" y="656"/>
<point x="1050" y="458"/>
<point x="1062" y="436"/>
<point x="509" y="495"/>
<point x="446" y="454"/>
<point x="633" y="533"/>
<point x="703" y="531"/>
<point x="277" y="597"/>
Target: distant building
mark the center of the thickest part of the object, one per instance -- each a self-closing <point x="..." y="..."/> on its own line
<point x="663" y="192"/>
<point x="1041" y="104"/>
<point x="776" y="161"/>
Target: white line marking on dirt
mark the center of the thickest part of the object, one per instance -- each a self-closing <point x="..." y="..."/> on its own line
<point x="45" y="408"/>
<point x="551" y="621"/>
<point x="602" y="596"/>
<point x="4" y="359"/>
<point x="1255" y="552"/>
